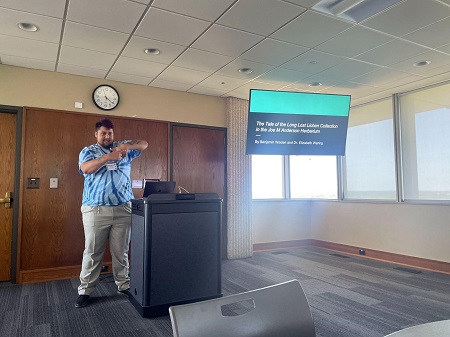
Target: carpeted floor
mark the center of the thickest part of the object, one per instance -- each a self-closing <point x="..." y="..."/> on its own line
<point x="349" y="297"/>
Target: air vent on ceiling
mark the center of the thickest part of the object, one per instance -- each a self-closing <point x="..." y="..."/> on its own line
<point x="354" y="10"/>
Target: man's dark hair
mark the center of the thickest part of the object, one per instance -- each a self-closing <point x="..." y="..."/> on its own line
<point x="104" y="122"/>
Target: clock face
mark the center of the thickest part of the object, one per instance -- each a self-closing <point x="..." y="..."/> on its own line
<point x="105" y="97"/>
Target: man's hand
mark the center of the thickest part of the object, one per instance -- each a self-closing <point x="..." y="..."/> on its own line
<point x="120" y="151"/>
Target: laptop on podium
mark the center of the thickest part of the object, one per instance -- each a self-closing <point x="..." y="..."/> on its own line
<point x="158" y="187"/>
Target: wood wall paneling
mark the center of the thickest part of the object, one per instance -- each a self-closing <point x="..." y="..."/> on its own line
<point x="199" y="164"/>
<point x="51" y="227"/>
<point x="199" y="159"/>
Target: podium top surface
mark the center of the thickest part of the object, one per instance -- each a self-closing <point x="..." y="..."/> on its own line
<point x="177" y="197"/>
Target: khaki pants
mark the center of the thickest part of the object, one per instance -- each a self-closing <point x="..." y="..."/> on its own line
<point x="100" y="224"/>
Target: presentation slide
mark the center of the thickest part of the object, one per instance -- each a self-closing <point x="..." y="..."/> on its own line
<point x="297" y="123"/>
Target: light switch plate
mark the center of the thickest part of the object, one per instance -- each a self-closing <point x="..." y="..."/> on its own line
<point x="53" y="182"/>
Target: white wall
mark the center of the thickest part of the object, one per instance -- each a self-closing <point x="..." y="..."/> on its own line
<point x="281" y="221"/>
<point x="50" y="90"/>
<point x="416" y="230"/>
<point x="408" y="229"/>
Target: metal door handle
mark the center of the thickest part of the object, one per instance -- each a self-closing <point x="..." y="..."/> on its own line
<point x="7" y="200"/>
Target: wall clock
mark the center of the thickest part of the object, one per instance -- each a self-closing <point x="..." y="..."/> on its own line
<point x="105" y="97"/>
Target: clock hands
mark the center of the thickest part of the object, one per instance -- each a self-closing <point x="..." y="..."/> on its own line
<point x="109" y="99"/>
<point x="106" y="97"/>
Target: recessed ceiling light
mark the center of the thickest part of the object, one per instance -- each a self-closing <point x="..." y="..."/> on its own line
<point x="28" y="27"/>
<point x="421" y="63"/>
<point x="245" y="70"/>
<point x="152" y="51"/>
<point x="315" y="84"/>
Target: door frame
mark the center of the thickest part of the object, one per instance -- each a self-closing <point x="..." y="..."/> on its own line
<point x="18" y="111"/>
<point x="224" y="242"/>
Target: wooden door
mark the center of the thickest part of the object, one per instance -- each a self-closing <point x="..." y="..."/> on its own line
<point x="7" y="167"/>
<point x="199" y="164"/>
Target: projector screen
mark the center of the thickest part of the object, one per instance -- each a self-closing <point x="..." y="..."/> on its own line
<point x="297" y="123"/>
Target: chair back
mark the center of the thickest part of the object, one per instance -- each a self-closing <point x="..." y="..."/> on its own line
<point x="281" y="310"/>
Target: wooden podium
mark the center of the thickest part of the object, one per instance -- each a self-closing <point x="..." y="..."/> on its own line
<point x="175" y="251"/>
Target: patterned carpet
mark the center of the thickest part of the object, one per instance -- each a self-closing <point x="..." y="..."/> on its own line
<point x="349" y="297"/>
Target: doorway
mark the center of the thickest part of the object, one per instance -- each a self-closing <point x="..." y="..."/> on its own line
<point x="198" y="164"/>
<point x="10" y="126"/>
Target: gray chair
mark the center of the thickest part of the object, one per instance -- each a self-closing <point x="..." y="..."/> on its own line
<point x="433" y="329"/>
<point x="280" y="310"/>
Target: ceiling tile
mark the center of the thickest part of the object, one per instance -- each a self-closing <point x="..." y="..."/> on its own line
<point x="310" y="29"/>
<point x="381" y="77"/>
<point x="27" y="62"/>
<point x="408" y="16"/>
<point x="303" y="3"/>
<point x="16" y="46"/>
<point x="282" y="76"/>
<point x="445" y="49"/>
<point x="244" y="91"/>
<point x="249" y="15"/>
<point x="118" y="15"/>
<point x="364" y="91"/>
<point x="395" y="85"/>
<point x="384" y="55"/>
<point x="231" y="69"/>
<point x="49" y="28"/>
<point x="437" y="60"/>
<point x="208" y="10"/>
<point x="127" y="65"/>
<point x="86" y="58"/>
<point x="353" y="41"/>
<point x="221" y="82"/>
<point x="202" y="60"/>
<point x="183" y="75"/>
<point x="303" y="84"/>
<point x="83" y="71"/>
<point x="168" y="51"/>
<point x="349" y="69"/>
<point x="134" y="79"/>
<point x="207" y="91"/>
<point x="441" y="70"/>
<point x="171" y="27"/>
<point x="313" y="62"/>
<point x="433" y="35"/>
<point x="93" y="38"/>
<point x="226" y="41"/>
<point x="354" y="90"/>
<point x="273" y="52"/>
<point x="54" y="8"/>
<point x="170" y="85"/>
<point x="343" y="88"/>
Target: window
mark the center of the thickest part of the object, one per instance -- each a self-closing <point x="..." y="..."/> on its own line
<point x="369" y="162"/>
<point x="267" y="177"/>
<point x="425" y="128"/>
<point x="313" y="177"/>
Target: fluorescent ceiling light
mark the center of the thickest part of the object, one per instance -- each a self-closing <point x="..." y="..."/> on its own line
<point x="354" y="10"/>
<point x="343" y="6"/>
